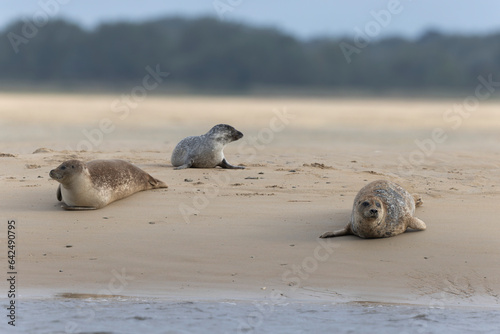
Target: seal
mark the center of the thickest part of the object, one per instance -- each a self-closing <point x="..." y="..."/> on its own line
<point x="381" y="209"/>
<point x="95" y="184"/>
<point x="205" y="151"/>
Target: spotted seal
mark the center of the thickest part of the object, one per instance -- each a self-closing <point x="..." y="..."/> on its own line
<point x="95" y="184"/>
<point x="381" y="209"/>
<point x="205" y="151"/>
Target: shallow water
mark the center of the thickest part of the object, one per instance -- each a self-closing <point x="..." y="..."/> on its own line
<point x="139" y="315"/>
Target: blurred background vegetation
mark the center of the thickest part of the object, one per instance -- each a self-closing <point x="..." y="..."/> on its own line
<point x="210" y="56"/>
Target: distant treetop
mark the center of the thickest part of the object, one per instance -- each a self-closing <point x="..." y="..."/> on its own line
<point x="208" y="53"/>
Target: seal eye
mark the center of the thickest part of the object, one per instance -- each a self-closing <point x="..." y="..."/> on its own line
<point x="377" y="204"/>
<point x="63" y="167"/>
<point x="365" y="204"/>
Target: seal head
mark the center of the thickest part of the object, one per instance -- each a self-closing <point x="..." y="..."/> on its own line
<point x="66" y="171"/>
<point x="370" y="208"/>
<point x="224" y="133"/>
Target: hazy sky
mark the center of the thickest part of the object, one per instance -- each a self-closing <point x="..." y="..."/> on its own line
<point x="303" y="18"/>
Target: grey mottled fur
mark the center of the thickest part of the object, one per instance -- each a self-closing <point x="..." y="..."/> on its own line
<point x="205" y="151"/>
<point x="381" y="209"/>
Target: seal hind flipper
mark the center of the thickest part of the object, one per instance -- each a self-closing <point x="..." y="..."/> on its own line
<point x="345" y="231"/>
<point x="59" y="195"/>
<point x="155" y="183"/>
<point x="418" y="200"/>
<point x="416" y="224"/>
<point x="225" y="164"/>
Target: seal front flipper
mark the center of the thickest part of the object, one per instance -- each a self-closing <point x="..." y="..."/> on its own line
<point x="59" y="195"/>
<point x="225" y="164"/>
<point x="76" y="208"/>
<point x="345" y="231"/>
<point x="416" y="224"/>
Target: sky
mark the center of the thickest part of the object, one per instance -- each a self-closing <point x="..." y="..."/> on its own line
<point x="302" y="18"/>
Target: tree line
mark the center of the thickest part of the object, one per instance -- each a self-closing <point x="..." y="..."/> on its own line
<point x="206" y="53"/>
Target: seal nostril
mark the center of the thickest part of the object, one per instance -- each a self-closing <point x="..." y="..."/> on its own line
<point x="373" y="211"/>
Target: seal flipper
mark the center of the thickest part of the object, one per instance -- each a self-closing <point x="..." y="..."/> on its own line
<point x="345" y="231"/>
<point x="155" y="183"/>
<point x="418" y="200"/>
<point x="416" y="224"/>
<point x="59" y="195"/>
<point x="225" y="164"/>
<point x="76" y="208"/>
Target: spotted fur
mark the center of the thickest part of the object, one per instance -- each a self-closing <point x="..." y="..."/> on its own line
<point x="381" y="209"/>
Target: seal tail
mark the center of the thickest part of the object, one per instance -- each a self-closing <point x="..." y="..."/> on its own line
<point x="156" y="184"/>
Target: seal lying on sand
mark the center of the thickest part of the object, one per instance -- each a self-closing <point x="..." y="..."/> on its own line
<point x="205" y="151"/>
<point x="381" y="209"/>
<point x="92" y="185"/>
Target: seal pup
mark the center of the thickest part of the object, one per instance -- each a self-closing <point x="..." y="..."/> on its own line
<point x="381" y="209"/>
<point x="92" y="185"/>
<point x="205" y="151"/>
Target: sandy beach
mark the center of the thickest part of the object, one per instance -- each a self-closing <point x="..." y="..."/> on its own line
<point x="253" y="233"/>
